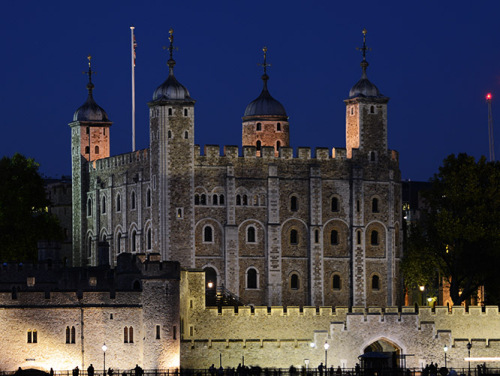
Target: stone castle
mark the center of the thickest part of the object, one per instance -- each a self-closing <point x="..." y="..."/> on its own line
<point x="309" y="243"/>
<point x="271" y="227"/>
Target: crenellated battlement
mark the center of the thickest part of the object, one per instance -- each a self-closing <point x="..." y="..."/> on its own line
<point x="211" y="152"/>
<point x="306" y="311"/>
<point x="121" y="160"/>
<point x="233" y="152"/>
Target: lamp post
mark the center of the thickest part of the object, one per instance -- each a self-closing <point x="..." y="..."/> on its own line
<point x="104" y="348"/>
<point x="326" y="346"/>
<point x="469" y="345"/>
<point x="421" y="288"/>
<point x="445" y="348"/>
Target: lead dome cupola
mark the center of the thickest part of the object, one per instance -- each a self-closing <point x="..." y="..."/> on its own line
<point x="265" y="104"/>
<point x="364" y="87"/>
<point x="90" y="110"/>
<point x="171" y="89"/>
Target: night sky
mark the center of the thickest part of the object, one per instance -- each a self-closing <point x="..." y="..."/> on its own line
<point x="436" y="60"/>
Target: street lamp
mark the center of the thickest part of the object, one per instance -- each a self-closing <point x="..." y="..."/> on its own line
<point x="445" y="348"/>
<point x="421" y="288"/>
<point x="326" y="346"/>
<point x="469" y="345"/>
<point x="104" y="348"/>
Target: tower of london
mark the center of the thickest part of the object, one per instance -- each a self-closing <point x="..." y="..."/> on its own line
<point x="269" y="224"/>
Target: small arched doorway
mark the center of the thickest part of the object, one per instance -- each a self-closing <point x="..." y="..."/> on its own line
<point x="210" y="286"/>
<point x="381" y="354"/>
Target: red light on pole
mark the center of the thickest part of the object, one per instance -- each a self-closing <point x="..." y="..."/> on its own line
<point x="488" y="96"/>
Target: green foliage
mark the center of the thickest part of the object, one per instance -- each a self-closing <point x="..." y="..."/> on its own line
<point x="458" y="236"/>
<point x="23" y="210"/>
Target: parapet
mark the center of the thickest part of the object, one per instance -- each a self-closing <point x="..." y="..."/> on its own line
<point x="120" y="160"/>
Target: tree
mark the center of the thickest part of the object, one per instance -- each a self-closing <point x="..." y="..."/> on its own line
<point x="458" y="236"/>
<point x="24" y="218"/>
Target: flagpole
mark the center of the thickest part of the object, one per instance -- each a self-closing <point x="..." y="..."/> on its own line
<point x="132" y="46"/>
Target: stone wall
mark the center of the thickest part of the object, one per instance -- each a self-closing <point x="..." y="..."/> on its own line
<point x="280" y="337"/>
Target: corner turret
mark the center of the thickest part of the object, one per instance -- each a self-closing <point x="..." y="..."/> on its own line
<point x="265" y="122"/>
<point x="366" y="115"/>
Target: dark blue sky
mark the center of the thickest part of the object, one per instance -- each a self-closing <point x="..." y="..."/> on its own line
<point x="435" y="60"/>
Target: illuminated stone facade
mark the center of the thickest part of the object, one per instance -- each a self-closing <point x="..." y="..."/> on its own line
<point x="320" y="227"/>
<point x="58" y="317"/>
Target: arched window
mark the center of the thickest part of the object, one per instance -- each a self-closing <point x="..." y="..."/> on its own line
<point x="125" y="335"/>
<point x="294" y="282"/>
<point x="375" y="282"/>
<point x="238" y="200"/>
<point x="148" y="243"/>
<point x="245" y="200"/>
<point x="255" y="200"/>
<point x="250" y="234"/>
<point x="375" y="205"/>
<point x="87" y="149"/>
<point x="118" y="203"/>
<point x="278" y="127"/>
<point x="130" y="335"/>
<point x="208" y="236"/>
<point x="215" y="200"/>
<point x="203" y="199"/>
<point x="103" y="205"/>
<point x="294" y="237"/>
<point x="97" y="149"/>
<point x="68" y="335"/>
<point x="335" y="204"/>
<point x="89" y="247"/>
<point x="372" y="109"/>
<point x="336" y="283"/>
<point x="148" y="198"/>
<point x="251" y="278"/>
<point x="89" y="207"/>
<point x="134" y="238"/>
<point x="73" y="334"/>
<point x="132" y="200"/>
<point x="169" y="134"/>
<point x="278" y="145"/>
<point x="374" y="237"/>
<point x="372" y="156"/>
<point x="119" y="243"/>
<point x="186" y="135"/>
<point x="196" y="199"/>
<point x="170" y="111"/>
<point x="221" y="199"/>
<point x="259" y="145"/>
<point x="294" y="204"/>
<point x="334" y="237"/>
<point x="259" y="126"/>
<point x="185" y="112"/>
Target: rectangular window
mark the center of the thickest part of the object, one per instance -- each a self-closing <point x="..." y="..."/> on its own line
<point x="174" y="332"/>
<point x="157" y="331"/>
<point x="29" y="337"/>
<point x="35" y="336"/>
<point x="191" y="330"/>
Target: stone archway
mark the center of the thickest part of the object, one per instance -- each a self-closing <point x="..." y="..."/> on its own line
<point x="382" y="353"/>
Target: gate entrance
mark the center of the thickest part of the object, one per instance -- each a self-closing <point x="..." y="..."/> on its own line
<point x="380" y="355"/>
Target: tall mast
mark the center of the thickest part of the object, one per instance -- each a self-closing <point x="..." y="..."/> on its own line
<point x="132" y="46"/>
<point x="490" y="129"/>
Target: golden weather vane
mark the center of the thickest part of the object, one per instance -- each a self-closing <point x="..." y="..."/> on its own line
<point x="265" y="64"/>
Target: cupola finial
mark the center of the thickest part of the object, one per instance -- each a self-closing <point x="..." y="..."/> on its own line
<point x="171" y="48"/>
<point x="364" y="63"/>
<point x="265" y="77"/>
<point x="90" y="85"/>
